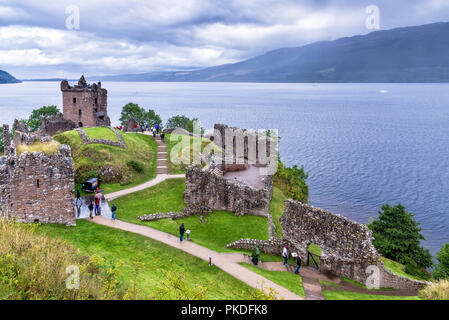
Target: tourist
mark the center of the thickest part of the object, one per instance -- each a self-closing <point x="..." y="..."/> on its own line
<point x="142" y="127"/>
<point x="298" y="263"/>
<point x="154" y="132"/>
<point x="113" y="209"/>
<point x="182" y="229"/>
<point x="97" y="203"/>
<point x="78" y="193"/>
<point x="163" y="137"/>
<point x="285" y="255"/>
<point x="256" y="254"/>
<point x="157" y="128"/>
<point x="91" y="208"/>
<point x="135" y="127"/>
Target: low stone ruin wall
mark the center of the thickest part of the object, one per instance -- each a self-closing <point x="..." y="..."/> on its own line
<point x="273" y="246"/>
<point x="347" y="249"/>
<point x="85" y="139"/>
<point x="227" y="195"/>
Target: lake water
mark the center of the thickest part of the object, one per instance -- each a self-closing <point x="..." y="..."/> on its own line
<point x="363" y="144"/>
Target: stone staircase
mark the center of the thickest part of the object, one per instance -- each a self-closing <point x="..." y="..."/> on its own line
<point x="162" y="159"/>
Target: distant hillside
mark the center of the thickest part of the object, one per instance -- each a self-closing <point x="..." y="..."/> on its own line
<point x="411" y="54"/>
<point x="5" y="77"/>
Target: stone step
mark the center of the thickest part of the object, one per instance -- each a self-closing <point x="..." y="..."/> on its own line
<point x="162" y="162"/>
<point x="162" y="149"/>
<point x="162" y="171"/>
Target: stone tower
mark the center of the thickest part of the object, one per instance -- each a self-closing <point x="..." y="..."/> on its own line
<point x="86" y="105"/>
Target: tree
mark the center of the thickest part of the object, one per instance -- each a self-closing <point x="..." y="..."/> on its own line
<point x="152" y="119"/>
<point x="132" y="110"/>
<point x="442" y="268"/>
<point x="34" y="122"/>
<point x="398" y="236"/>
<point x="184" y="122"/>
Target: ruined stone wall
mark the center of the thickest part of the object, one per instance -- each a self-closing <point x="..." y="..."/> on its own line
<point x="244" y="140"/>
<point x="56" y="124"/>
<point x="85" y="105"/>
<point x="36" y="187"/>
<point x="347" y="248"/>
<point x="129" y="126"/>
<point x="228" y="195"/>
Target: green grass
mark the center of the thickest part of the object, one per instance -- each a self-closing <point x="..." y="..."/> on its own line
<point x="120" y="246"/>
<point x="361" y="285"/>
<point x="288" y="280"/>
<point x="327" y="283"/>
<point x="349" y="295"/>
<point x="398" y="269"/>
<point x="183" y="145"/>
<point x="221" y="228"/>
<point x="277" y="208"/>
<point x="92" y="159"/>
<point x="101" y="133"/>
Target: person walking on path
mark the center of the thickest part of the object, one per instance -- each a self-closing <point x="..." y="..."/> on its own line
<point x="285" y="255"/>
<point x="298" y="264"/>
<point x="163" y="137"/>
<point x="157" y="128"/>
<point x="135" y="127"/>
<point x="97" y="203"/>
<point x="113" y="209"/>
<point x="91" y="209"/>
<point x="154" y="132"/>
<point x="256" y="254"/>
<point x="182" y="230"/>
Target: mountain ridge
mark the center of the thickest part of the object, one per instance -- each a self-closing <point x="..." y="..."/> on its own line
<point x="5" y="77"/>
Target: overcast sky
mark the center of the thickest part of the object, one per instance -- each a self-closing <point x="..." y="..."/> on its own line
<point x="136" y="36"/>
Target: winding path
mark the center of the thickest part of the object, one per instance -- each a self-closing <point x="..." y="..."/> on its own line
<point x="228" y="262"/>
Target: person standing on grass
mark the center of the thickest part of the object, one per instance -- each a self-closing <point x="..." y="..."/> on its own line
<point x="256" y="254"/>
<point x="113" y="209"/>
<point x="298" y="263"/>
<point x="285" y="255"/>
<point x="182" y="230"/>
<point x="91" y="208"/>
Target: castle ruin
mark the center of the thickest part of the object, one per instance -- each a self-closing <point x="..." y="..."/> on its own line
<point x="34" y="186"/>
<point x="84" y="104"/>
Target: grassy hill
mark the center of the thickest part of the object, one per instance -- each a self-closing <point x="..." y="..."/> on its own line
<point x="115" y="167"/>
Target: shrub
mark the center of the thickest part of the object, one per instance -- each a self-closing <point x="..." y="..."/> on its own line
<point x="291" y="181"/>
<point x="442" y="268"/>
<point x="436" y="291"/>
<point x="136" y="165"/>
<point x="34" y="267"/>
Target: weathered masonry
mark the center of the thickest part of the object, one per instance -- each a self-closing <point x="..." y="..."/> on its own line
<point x="86" y="105"/>
<point x="347" y="248"/>
<point x="37" y="187"/>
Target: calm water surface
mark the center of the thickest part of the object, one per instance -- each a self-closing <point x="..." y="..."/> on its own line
<point x="363" y="144"/>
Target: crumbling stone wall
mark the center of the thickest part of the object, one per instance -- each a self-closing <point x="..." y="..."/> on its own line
<point x="347" y="248"/>
<point x="235" y="140"/>
<point x="85" y="139"/>
<point x="56" y="124"/>
<point x="86" y="105"/>
<point x="129" y="126"/>
<point x="36" y="187"/>
<point x="203" y="186"/>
